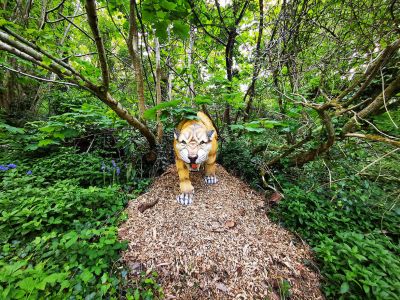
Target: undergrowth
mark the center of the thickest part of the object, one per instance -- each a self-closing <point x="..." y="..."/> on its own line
<point x="58" y="232"/>
<point x="352" y="222"/>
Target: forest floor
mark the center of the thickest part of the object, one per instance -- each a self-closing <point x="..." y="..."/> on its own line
<point x="223" y="246"/>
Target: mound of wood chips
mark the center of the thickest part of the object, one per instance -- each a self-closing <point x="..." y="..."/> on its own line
<point x="223" y="246"/>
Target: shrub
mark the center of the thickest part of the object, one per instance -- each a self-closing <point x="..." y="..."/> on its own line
<point x="354" y="233"/>
<point x="58" y="234"/>
<point x="359" y="266"/>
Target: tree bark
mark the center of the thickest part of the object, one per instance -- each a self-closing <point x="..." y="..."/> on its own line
<point x="93" y="23"/>
<point x="158" y="89"/>
<point x="374" y="106"/>
<point x="190" y="91"/>
<point x="133" y="47"/>
<point x="375" y="138"/>
<point x="307" y="156"/>
<point x="257" y="62"/>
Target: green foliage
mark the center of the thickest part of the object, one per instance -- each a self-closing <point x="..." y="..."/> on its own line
<point x="152" y="112"/>
<point x="148" y="288"/>
<point x="284" y="289"/>
<point x="360" y="266"/>
<point x="58" y="232"/>
<point x="39" y="135"/>
<point x="236" y="156"/>
<point x="258" y="126"/>
<point x="353" y="227"/>
<point x="86" y="169"/>
<point x="389" y="122"/>
<point x="351" y="223"/>
<point x="167" y="12"/>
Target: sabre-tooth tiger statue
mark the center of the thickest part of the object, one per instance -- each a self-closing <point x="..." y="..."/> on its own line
<point x="195" y="144"/>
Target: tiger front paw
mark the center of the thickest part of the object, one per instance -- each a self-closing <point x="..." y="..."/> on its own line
<point x="211" y="179"/>
<point x="185" y="198"/>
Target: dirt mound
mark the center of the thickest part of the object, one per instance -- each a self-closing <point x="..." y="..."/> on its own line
<point x="222" y="246"/>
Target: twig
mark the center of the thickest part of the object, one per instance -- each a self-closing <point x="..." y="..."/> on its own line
<point x="384" y="100"/>
<point x="91" y="143"/>
<point x="329" y="172"/>
<point x="379" y="159"/>
<point x="39" y="78"/>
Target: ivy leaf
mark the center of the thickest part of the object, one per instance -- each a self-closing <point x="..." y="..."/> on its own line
<point x="344" y="288"/>
<point x="86" y="276"/>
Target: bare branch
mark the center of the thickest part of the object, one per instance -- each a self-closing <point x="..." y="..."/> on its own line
<point x="115" y="25"/>
<point x="257" y="61"/>
<point x="220" y="16"/>
<point x="31" y="56"/>
<point x="304" y="157"/>
<point x="158" y="89"/>
<point x="56" y="7"/>
<point x="28" y="54"/>
<point x="239" y="18"/>
<point x="287" y="152"/>
<point x="77" y="27"/>
<point x="38" y="78"/>
<point x="375" y="138"/>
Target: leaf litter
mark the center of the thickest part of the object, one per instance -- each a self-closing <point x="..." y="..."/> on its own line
<point x="223" y="246"/>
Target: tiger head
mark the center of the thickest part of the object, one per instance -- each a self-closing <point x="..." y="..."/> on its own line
<point x="193" y="143"/>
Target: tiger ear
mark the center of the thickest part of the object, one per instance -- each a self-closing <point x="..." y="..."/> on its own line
<point x="210" y="134"/>
<point x="176" y="134"/>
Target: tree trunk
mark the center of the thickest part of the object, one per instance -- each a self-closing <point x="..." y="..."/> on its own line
<point x="158" y="89"/>
<point x="133" y="47"/>
<point x="190" y="91"/>
<point x="257" y="62"/>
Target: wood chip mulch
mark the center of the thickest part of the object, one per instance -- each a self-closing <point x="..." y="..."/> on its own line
<point x="223" y="246"/>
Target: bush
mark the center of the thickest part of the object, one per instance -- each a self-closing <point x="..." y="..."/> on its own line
<point x="353" y="231"/>
<point x="352" y="224"/>
<point x="58" y="234"/>
<point x="359" y="266"/>
<point x="236" y="156"/>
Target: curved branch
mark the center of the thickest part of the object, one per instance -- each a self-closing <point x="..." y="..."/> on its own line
<point x="21" y="44"/>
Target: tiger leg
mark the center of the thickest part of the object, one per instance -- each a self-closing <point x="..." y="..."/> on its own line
<point x="210" y="177"/>
<point x="186" y="196"/>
